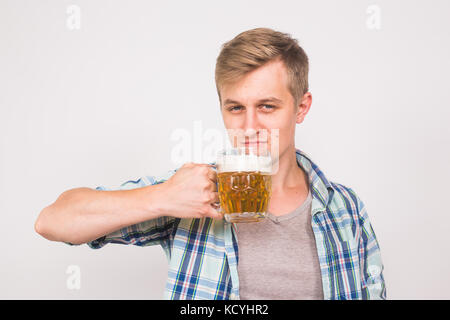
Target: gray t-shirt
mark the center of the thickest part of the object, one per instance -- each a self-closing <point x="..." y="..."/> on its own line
<point x="278" y="257"/>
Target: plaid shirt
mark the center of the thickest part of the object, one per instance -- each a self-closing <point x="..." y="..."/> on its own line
<point x="203" y="253"/>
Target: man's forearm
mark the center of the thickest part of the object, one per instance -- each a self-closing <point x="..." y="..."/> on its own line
<point x="81" y="215"/>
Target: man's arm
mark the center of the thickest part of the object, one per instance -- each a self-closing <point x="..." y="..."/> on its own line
<point x="83" y="215"/>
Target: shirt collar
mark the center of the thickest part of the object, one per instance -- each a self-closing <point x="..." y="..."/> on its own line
<point x="320" y="187"/>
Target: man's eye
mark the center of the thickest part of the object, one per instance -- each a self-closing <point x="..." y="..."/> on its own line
<point x="234" y="108"/>
<point x="266" y="107"/>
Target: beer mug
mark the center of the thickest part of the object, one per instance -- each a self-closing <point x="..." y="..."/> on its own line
<point x="244" y="183"/>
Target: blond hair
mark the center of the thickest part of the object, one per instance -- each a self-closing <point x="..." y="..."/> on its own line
<point x="253" y="48"/>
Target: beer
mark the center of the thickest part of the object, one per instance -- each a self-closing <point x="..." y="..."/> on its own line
<point x="244" y="185"/>
<point x="244" y="196"/>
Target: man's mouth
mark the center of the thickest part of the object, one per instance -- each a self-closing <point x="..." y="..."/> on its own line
<point x="254" y="142"/>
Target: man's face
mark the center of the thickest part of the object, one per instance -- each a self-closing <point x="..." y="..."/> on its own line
<point x="261" y="102"/>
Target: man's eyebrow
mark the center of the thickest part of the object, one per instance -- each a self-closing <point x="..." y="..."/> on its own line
<point x="269" y="99"/>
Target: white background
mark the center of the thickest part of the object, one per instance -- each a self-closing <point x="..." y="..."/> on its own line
<point x="97" y="106"/>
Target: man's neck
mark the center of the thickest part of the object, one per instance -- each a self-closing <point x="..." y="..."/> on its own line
<point x="289" y="175"/>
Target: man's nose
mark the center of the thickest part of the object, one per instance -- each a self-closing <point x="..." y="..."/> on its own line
<point x="251" y="121"/>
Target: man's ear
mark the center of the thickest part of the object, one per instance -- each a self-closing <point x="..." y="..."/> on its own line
<point x="303" y="107"/>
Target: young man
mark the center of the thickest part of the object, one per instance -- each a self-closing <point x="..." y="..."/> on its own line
<point x="316" y="242"/>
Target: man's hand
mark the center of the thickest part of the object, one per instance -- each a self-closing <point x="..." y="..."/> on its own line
<point x="192" y="192"/>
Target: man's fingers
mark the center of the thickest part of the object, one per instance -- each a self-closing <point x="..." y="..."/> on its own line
<point x="216" y="206"/>
<point x="212" y="175"/>
<point x="214" y="211"/>
<point x="215" y="197"/>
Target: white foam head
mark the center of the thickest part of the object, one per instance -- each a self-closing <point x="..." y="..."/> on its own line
<point x="244" y="162"/>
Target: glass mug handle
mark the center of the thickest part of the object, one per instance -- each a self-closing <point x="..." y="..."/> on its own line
<point x="216" y="205"/>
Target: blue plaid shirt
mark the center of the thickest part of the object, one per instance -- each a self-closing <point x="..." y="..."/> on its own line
<point x="203" y="253"/>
